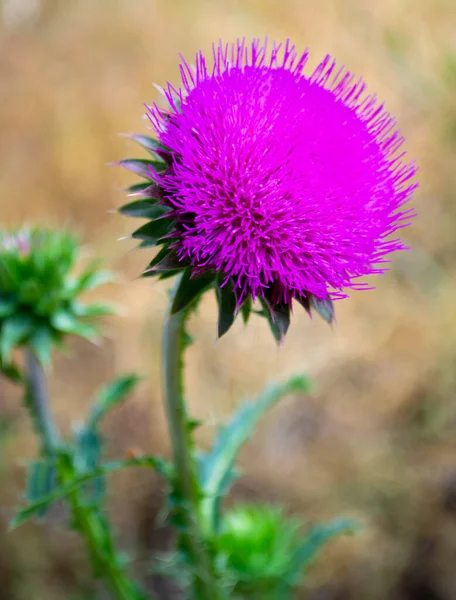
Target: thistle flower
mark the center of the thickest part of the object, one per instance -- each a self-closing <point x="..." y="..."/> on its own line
<point x="39" y="293"/>
<point x="271" y="184"/>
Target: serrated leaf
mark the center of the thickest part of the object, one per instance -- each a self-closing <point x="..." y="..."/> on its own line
<point x="62" y="492"/>
<point x="111" y="395"/>
<point x="41" y="481"/>
<point x="153" y="231"/>
<point x="147" y="169"/>
<point x="226" y="300"/>
<point x="88" y="448"/>
<point x="14" y="331"/>
<point x="190" y="290"/>
<point x="217" y="465"/>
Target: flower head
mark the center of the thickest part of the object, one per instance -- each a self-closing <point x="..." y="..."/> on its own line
<point x="279" y="184"/>
<point x="39" y="293"/>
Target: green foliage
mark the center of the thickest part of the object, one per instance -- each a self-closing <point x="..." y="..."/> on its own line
<point x="110" y="396"/>
<point x="39" y="293"/>
<point x="262" y="554"/>
<point x="41" y="482"/>
<point x="217" y="467"/>
<point x="78" y="481"/>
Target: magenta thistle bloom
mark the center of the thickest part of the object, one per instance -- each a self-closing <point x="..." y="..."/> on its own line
<point x="280" y="185"/>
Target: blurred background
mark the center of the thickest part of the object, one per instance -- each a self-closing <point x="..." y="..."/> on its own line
<point x="376" y="439"/>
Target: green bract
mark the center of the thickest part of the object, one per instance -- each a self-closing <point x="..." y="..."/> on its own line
<point x="39" y="293"/>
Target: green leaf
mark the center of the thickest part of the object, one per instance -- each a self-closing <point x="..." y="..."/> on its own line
<point x="111" y="395"/>
<point x="64" y="321"/>
<point x="217" y="465"/>
<point x="14" y="331"/>
<point x="142" y="167"/>
<point x="62" y="492"/>
<point x="87" y="456"/>
<point x="92" y="311"/>
<point x="41" y="481"/>
<point x="227" y="306"/>
<point x="11" y="372"/>
<point x="92" y="279"/>
<point x="153" y="231"/>
<point x="317" y="538"/>
<point x="190" y="290"/>
<point x="7" y="307"/>
<point x="41" y="344"/>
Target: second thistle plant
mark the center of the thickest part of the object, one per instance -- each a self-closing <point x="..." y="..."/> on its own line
<point x="40" y="293"/>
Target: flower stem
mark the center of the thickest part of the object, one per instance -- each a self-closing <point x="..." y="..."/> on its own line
<point x="39" y="404"/>
<point x="87" y="518"/>
<point x="186" y="486"/>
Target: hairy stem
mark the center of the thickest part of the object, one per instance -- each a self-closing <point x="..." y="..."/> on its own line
<point x="87" y="518"/>
<point x="186" y="486"/>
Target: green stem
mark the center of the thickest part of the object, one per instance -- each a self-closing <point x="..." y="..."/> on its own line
<point x="39" y="401"/>
<point x="204" y="585"/>
<point x="89" y="521"/>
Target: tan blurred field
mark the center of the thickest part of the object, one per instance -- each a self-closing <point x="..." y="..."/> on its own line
<point x="377" y="438"/>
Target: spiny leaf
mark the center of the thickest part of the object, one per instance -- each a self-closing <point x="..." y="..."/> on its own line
<point x="217" y="466"/>
<point x="190" y="290"/>
<point x="41" y="481"/>
<point x="62" y="492"/>
<point x="111" y="395"/>
<point x="317" y="538"/>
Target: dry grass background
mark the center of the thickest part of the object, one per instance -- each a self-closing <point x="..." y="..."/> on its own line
<point x="376" y="439"/>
